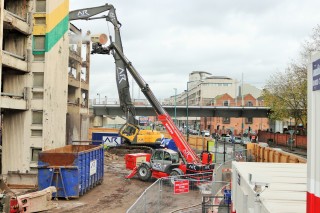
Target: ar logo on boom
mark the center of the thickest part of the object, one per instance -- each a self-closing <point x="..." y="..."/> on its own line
<point x="83" y="13"/>
<point x="121" y="75"/>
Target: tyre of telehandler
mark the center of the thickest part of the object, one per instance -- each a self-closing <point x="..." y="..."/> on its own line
<point x="144" y="172"/>
<point x="174" y="175"/>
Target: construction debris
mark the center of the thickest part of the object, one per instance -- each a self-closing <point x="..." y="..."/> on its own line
<point x="110" y="156"/>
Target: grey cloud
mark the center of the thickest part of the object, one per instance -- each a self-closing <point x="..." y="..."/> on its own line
<point x="166" y="40"/>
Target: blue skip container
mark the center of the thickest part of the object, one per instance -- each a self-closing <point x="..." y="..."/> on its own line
<point x="72" y="169"/>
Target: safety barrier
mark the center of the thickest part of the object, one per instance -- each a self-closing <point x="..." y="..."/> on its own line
<point x="299" y="141"/>
<point x="170" y="194"/>
<point x="261" y="153"/>
<point x="186" y="194"/>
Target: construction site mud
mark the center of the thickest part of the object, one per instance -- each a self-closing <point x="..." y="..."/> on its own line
<point x="115" y="194"/>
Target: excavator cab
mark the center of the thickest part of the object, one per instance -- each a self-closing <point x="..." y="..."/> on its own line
<point x="134" y="135"/>
<point x="129" y="132"/>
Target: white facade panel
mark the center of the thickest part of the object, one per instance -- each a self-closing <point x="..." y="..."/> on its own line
<point x="314" y="126"/>
<point x="55" y="97"/>
<point x="285" y="191"/>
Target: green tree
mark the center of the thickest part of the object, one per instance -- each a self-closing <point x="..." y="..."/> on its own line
<point x="286" y="94"/>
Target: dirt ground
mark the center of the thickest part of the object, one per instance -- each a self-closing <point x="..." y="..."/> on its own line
<point x="115" y="194"/>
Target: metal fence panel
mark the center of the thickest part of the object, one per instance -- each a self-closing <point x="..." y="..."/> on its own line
<point x="149" y="201"/>
<point x="161" y="197"/>
<point x="202" y="195"/>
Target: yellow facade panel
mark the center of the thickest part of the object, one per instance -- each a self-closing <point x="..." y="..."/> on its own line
<point x="39" y="15"/>
<point x="39" y="30"/>
<point x="57" y="15"/>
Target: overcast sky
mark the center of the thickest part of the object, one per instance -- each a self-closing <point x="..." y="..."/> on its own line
<point x="166" y="40"/>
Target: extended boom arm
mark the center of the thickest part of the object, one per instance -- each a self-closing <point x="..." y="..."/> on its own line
<point x="121" y="73"/>
<point x="163" y="116"/>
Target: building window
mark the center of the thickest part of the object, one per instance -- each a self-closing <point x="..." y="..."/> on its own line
<point x="38" y="80"/>
<point x="225" y="103"/>
<point x="40" y="6"/>
<point x="37" y="117"/>
<point x="38" y="57"/>
<point x="37" y="95"/>
<point x="226" y="120"/>
<point x="249" y="120"/>
<point x="40" y="20"/>
<point x="36" y="132"/>
<point x="39" y="43"/>
<point x="35" y="153"/>
<point x="249" y="104"/>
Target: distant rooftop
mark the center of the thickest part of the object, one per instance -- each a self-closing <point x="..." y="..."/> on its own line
<point x="219" y="77"/>
<point x="200" y="72"/>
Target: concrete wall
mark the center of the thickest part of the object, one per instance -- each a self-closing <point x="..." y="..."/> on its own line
<point x="21" y="134"/>
<point x="55" y="74"/>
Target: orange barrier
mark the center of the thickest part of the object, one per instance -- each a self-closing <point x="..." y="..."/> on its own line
<point x="198" y="143"/>
<point x="270" y="155"/>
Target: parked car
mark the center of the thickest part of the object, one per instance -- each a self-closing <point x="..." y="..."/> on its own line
<point x="225" y="138"/>
<point x="245" y="140"/>
<point x="237" y="139"/>
<point x="193" y="132"/>
<point x="205" y="133"/>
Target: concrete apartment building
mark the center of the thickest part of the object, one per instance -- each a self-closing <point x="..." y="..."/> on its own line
<point x="34" y="83"/>
<point x="78" y="118"/>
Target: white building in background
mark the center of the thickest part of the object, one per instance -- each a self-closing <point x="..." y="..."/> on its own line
<point x="202" y="88"/>
<point x="250" y="89"/>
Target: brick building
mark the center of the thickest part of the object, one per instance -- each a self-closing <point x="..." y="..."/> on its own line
<point x="236" y="125"/>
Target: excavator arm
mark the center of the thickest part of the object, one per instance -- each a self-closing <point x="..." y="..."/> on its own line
<point x="121" y="72"/>
<point x="189" y="155"/>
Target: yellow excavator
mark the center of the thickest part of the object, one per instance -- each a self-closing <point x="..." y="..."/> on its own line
<point x="132" y="134"/>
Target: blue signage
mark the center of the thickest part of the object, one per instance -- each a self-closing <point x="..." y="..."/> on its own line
<point x="107" y="138"/>
<point x="316" y="75"/>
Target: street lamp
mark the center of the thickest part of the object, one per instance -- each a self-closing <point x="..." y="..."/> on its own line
<point x="290" y="123"/>
<point x="187" y="112"/>
<point x="188" y="106"/>
<point x="175" y="105"/>
<point x="98" y="94"/>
